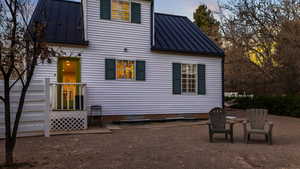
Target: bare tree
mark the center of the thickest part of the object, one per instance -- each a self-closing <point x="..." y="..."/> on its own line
<point x="288" y="49"/>
<point x="22" y="48"/>
<point x="252" y="28"/>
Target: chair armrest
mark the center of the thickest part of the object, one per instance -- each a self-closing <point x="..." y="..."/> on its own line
<point x="208" y="123"/>
<point x="230" y="122"/>
<point x="245" y="122"/>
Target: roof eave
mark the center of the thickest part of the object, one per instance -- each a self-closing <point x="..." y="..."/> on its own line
<point x="83" y="43"/>
<point x="189" y="52"/>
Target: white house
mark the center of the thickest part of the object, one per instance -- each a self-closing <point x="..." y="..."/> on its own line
<point x="133" y="62"/>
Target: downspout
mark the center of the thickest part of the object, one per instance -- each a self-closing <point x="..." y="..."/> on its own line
<point x="84" y="16"/>
<point x="152" y="25"/>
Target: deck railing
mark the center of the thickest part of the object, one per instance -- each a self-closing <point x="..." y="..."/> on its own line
<point x="68" y="96"/>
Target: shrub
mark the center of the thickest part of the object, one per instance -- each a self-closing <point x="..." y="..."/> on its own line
<point x="278" y="105"/>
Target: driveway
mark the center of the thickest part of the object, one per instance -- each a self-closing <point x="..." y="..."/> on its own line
<point x="174" y="145"/>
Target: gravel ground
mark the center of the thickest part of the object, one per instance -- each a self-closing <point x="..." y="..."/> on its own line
<point x="174" y="145"/>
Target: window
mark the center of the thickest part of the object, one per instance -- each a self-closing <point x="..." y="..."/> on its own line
<point x="189" y="78"/>
<point x="120" y="10"/>
<point x="125" y="69"/>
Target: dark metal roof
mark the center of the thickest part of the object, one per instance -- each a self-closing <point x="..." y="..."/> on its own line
<point x="178" y="34"/>
<point x="63" y="19"/>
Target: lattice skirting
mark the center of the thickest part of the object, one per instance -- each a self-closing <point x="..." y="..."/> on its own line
<point x="67" y="120"/>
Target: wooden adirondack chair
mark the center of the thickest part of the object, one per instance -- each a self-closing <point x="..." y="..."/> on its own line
<point x="257" y="124"/>
<point x="217" y="124"/>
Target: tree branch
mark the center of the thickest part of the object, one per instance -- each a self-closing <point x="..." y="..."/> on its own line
<point x="2" y="98"/>
<point x="20" y="77"/>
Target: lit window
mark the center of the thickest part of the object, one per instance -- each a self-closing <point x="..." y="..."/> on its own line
<point x="125" y="69"/>
<point x="189" y="78"/>
<point x="120" y="10"/>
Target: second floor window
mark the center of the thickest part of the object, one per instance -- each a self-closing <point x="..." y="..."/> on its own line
<point x="120" y="10"/>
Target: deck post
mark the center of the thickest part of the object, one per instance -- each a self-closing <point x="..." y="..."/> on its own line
<point x="85" y="100"/>
<point x="47" y="107"/>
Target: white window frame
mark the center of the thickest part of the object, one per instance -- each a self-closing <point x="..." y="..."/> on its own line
<point x="129" y="12"/>
<point x="134" y="69"/>
<point x="196" y="80"/>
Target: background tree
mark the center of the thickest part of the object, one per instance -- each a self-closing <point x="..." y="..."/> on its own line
<point x="253" y="30"/>
<point x="22" y="47"/>
<point x="288" y="50"/>
<point x="205" y="20"/>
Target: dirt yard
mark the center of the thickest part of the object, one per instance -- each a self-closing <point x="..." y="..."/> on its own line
<point x="174" y="145"/>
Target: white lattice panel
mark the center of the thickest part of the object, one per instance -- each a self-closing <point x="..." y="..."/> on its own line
<point x="67" y="120"/>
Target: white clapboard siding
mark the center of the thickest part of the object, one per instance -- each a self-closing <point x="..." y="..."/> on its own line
<point x="33" y="117"/>
<point x="107" y="39"/>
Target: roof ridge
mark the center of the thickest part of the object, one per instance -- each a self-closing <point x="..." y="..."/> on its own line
<point x="170" y="14"/>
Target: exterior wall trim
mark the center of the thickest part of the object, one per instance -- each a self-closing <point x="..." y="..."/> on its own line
<point x="154" y="117"/>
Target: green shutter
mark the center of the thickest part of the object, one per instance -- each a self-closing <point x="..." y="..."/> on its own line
<point x="201" y="79"/>
<point x="140" y="70"/>
<point x="110" y="69"/>
<point x="176" y="78"/>
<point x="105" y="9"/>
<point x="135" y="12"/>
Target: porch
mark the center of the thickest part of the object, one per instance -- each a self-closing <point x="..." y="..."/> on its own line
<point x="68" y="108"/>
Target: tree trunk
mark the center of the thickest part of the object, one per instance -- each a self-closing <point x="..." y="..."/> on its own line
<point x="9" y="158"/>
<point x="8" y="139"/>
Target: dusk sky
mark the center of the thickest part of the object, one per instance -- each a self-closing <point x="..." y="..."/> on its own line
<point x="182" y="7"/>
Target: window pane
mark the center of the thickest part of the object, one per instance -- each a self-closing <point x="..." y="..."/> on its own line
<point x="120" y="69"/>
<point x="184" y="68"/>
<point x="125" y="69"/>
<point x="194" y="69"/>
<point x="120" y="10"/>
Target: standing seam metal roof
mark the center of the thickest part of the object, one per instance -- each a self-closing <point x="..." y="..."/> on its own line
<point x="179" y="34"/>
<point x="63" y="19"/>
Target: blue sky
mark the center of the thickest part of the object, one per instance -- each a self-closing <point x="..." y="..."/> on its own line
<point x="183" y="7"/>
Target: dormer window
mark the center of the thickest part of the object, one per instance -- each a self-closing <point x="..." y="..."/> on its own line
<point x="120" y="10"/>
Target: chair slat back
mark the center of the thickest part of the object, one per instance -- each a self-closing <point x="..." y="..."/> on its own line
<point x="257" y="118"/>
<point x="217" y="118"/>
